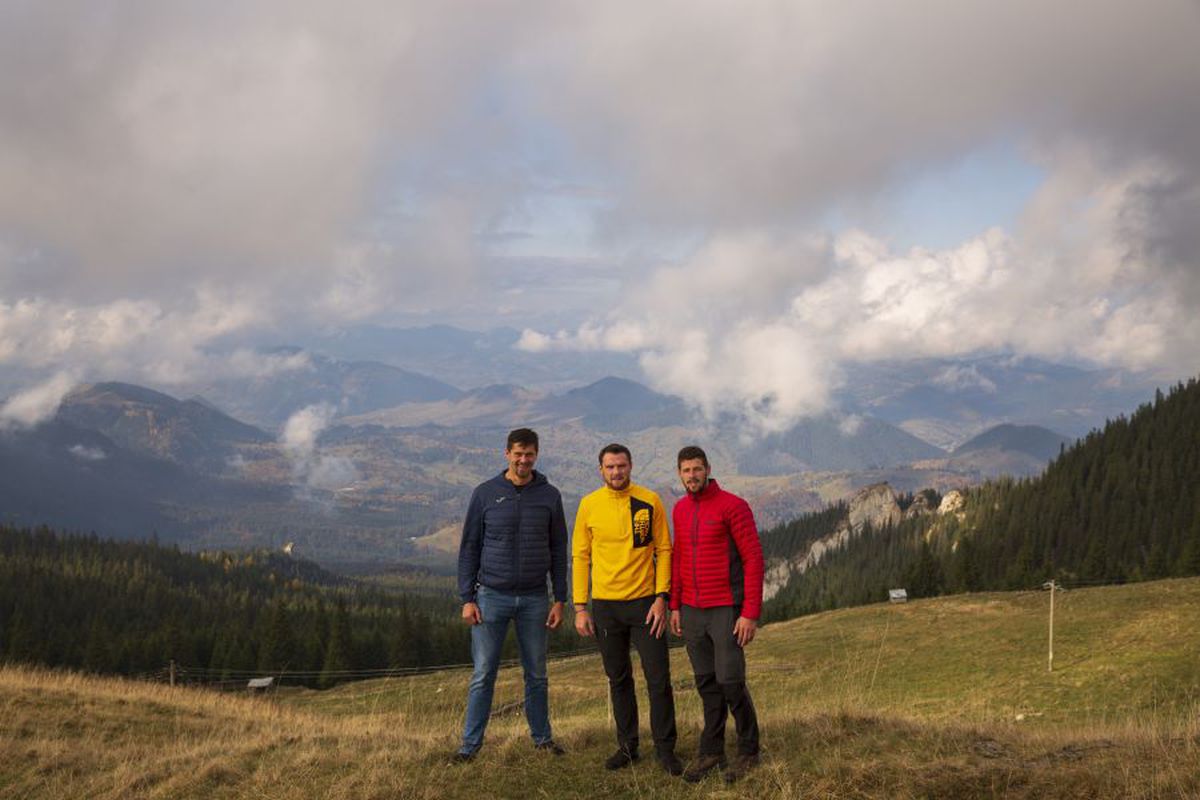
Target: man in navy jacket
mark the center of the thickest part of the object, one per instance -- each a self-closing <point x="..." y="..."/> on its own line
<point x="514" y="534"/>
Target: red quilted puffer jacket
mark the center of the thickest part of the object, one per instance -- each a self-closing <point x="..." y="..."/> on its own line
<point x="716" y="559"/>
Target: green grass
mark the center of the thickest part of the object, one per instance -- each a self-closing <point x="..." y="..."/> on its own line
<point x="1119" y="652"/>
<point x="945" y="698"/>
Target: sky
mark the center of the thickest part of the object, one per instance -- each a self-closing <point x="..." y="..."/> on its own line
<point x="748" y="197"/>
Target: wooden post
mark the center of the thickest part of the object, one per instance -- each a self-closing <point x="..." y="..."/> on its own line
<point x="1050" y="661"/>
<point x="172" y="672"/>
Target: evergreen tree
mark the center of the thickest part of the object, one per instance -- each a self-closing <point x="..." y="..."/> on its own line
<point x="277" y="648"/>
<point x="337" y="654"/>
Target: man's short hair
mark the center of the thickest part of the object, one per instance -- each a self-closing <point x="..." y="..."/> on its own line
<point x="523" y="436"/>
<point x="616" y="450"/>
<point x="691" y="452"/>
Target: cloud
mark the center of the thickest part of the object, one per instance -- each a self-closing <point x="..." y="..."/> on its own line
<point x="739" y="123"/>
<point x="151" y="140"/>
<point x="958" y="378"/>
<point x="300" y="432"/>
<point x="36" y="404"/>
<point x="331" y="473"/>
<point x="84" y="453"/>
<point x="850" y="425"/>
<point x="748" y="114"/>
<point x="760" y="327"/>
<point x="137" y="339"/>
<point x="173" y="181"/>
<point x="309" y="467"/>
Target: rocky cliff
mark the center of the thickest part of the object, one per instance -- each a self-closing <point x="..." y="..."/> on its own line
<point x="875" y="506"/>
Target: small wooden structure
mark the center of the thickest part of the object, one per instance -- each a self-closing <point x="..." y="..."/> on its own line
<point x="260" y="684"/>
<point x="897" y="596"/>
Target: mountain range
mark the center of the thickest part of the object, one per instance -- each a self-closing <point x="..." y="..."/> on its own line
<point x="347" y="387"/>
<point x="384" y="471"/>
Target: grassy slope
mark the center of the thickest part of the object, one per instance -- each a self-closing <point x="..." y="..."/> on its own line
<point x="914" y="701"/>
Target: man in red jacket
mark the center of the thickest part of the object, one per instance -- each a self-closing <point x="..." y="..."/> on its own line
<point x="716" y="598"/>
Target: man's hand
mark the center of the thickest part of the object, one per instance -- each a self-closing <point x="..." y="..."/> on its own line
<point x="657" y="618"/>
<point x="583" y="623"/>
<point x="743" y="631"/>
<point x="471" y="615"/>
<point x="676" y="623"/>
<point x="554" y="619"/>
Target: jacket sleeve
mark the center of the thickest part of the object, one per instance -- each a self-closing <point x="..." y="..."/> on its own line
<point x="471" y="546"/>
<point x="745" y="538"/>
<point x="558" y="551"/>
<point x="662" y="549"/>
<point x="469" y="549"/>
<point x="676" y="565"/>
<point x="581" y="555"/>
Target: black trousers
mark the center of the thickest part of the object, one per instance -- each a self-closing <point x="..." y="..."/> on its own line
<point x="719" y="665"/>
<point x="620" y="623"/>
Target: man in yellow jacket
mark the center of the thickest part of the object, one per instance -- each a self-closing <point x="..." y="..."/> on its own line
<point x="621" y="540"/>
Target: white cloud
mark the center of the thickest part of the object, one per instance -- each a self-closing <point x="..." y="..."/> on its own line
<point x="761" y="329"/>
<point x="311" y="468"/>
<point x="84" y="453"/>
<point x="171" y="180"/>
<point x="36" y="404"/>
<point x="139" y="340"/>
<point x="850" y="424"/>
<point x="300" y="432"/>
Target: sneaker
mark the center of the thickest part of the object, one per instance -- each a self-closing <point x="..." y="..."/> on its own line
<point x="670" y="763"/>
<point x="620" y="759"/>
<point x="462" y="757"/>
<point x="740" y="766"/>
<point x="550" y="746"/>
<point x="703" y="765"/>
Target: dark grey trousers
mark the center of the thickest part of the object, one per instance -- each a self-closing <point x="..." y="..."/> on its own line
<point x="719" y="665"/>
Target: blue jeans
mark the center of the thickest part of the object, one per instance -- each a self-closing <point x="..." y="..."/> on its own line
<point x="528" y="612"/>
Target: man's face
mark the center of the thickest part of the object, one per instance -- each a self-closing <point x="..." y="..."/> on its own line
<point x="615" y="469"/>
<point x="521" y="458"/>
<point x="693" y="473"/>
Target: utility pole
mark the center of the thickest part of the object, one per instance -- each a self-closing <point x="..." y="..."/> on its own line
<point x="1051" y="585"/>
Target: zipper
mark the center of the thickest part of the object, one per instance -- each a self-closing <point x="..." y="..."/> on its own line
<point x="517" y="547"/>
<point x="695" y="550"/>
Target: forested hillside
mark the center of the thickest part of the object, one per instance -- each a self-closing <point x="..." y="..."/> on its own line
<point x="132" y="607"/>
<point x="1122" y="504"/>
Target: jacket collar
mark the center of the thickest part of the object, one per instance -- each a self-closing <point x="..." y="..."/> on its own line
<point x="617" y="495"/>
<point x="538" y="478"/>
<point x="710" y="490"/>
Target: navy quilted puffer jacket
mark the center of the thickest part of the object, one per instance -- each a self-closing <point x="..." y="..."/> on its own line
<point x="512" y="537"/>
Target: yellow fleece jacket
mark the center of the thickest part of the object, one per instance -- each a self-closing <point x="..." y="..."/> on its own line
<point x="621" y="538"/>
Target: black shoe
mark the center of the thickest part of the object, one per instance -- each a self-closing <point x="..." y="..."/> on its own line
<point x="461" y="758"/>
<point x="550" y="746"/>
<point x="740" y="766"/>
<point x="703" y="765"/>
<point x="670" y="763"/>
<point x="620" y="759"/>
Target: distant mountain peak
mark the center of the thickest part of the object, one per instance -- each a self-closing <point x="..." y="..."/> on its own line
<point x="117" y="391"/>
<point x="153" y="423"/>
<point x="1032" y="440"/>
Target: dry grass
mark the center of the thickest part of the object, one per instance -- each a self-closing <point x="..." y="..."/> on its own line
<point x="882" y="702"/>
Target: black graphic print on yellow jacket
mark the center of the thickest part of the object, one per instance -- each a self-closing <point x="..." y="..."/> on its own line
<point x="621" y="538"/>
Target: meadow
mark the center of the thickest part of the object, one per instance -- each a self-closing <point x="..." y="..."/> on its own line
<point x="942" y="698"/>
